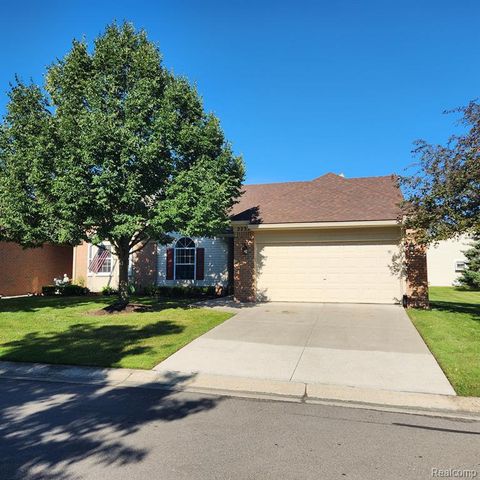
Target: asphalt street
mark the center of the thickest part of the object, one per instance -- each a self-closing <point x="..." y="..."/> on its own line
<point x="67" y="431"/>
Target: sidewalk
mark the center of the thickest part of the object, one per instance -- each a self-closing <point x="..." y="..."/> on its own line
<point x="430" y="404"/>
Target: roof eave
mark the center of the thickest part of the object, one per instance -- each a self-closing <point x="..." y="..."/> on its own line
<point x="320" y="225"/>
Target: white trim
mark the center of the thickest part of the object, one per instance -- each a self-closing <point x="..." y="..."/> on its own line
<point x="346" y="241"/>
<point x="74" y="266"/>
<point x="457" y="269"/>
<point x="296" y="226"/>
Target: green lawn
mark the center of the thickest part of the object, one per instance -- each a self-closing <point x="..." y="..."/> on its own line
<point x="451" y="329"/>
<point x="62" y="330"/>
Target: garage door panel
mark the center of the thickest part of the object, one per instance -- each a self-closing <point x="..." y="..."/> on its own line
<point x="323" y="295"/>
<point x="361" y="272"/>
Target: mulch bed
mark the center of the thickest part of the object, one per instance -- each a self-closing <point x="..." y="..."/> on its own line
<point x="119" y="307"/>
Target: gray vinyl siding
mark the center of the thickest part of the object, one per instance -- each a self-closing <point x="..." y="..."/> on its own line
<point x="216" y="262"/>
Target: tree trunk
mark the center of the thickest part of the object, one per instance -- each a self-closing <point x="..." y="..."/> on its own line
<point x="123" y="258"/>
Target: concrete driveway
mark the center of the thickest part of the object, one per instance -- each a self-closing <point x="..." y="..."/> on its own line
<point x="373" y="346"/>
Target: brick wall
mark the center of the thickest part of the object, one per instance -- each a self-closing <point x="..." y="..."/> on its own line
<point x="243" y="264"/>
<point x="27" y="270"/>
<point x="144" y="266"/>
<point x="416" y="273"/>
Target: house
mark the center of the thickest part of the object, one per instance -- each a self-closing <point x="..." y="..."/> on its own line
<point x="446" y="261"/>
<point x="197" y="261"/>
<point x="331" y="239"/>
<point x="24" y="271"/>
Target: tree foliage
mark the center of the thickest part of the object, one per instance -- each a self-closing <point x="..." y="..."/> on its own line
<point x="443" y="194"/>
<point x="113" y="147"/>
<point x="471" y="275"/>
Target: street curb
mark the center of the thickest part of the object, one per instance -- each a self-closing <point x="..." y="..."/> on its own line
<point x="453" y="406"/>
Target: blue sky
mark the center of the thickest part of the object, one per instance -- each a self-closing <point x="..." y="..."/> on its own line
<point x="301" y="87"/>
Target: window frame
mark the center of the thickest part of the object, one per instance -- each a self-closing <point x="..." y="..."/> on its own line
<point x="459" y="270"/>
<point x="175" y="263"/>
<point x="107" y="246"/>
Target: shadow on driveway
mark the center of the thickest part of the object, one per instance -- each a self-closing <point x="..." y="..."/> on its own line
<point x="46" y="427"/>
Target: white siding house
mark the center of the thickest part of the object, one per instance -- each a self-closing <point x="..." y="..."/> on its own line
<point x="446" y="261"/>
<point x="195" y="261"/>
<point x="215" y="262"/>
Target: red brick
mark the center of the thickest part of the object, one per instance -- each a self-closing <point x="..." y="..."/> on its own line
<point x="243" y="264"/>
<point x="27" y="270"/>
<point x="417" y="279"/>
<point x="144" y="265"/>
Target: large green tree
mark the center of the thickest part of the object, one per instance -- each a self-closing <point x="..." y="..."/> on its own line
<point x="113" y="147"/>
<point x="443" y="193"/>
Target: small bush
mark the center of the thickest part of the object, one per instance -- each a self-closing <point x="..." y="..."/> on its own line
<point x="177" y="291"/>
<point x="49" y="290"/>
<point x="150" y="290"/>
<point x="109" y="291"/>
<point x="73" y="290"/>
<point x="64" y="290"/>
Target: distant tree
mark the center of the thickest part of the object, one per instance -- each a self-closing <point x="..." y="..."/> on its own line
<point x="443" y="195"/>
<point x="471" y="275"/>
<point x="113" y="147"/>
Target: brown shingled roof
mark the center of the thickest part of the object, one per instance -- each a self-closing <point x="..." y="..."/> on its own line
<point x="329" y="198"/>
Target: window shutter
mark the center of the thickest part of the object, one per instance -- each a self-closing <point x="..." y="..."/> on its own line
<point x="170" y="263"/>
<point x="200" y="267"/>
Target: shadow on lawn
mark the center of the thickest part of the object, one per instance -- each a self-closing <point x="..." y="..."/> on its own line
<point x="37" y="303"/>
<point x="471" y="309"/>
<point x="87" y="344"/>
<point x="46" y="428"/>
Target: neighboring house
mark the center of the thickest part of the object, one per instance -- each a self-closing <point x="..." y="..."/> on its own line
<point x="446" y="261"/>
<point x="332" y="239"/>
<point x="25" y="271"/>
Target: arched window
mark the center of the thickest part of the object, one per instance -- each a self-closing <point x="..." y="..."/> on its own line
<point x="185" y="259"/>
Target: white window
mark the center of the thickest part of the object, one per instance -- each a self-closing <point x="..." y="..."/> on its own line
<point x="100" y="259"/>
<point x="460" y="266"/>
<point x="185" y="259"/>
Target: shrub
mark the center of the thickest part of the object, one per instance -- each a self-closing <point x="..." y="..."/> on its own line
<point x="108" y="291"/>
<point x="64" y="290"/>
<point x="73" y="290"/>
<point x="150" y="290"/>
<point x="49" y="290"/>
<point x="177" y="291"/>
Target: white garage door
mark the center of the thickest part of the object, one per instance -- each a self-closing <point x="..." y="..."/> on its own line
<point x="348" y="272"/>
